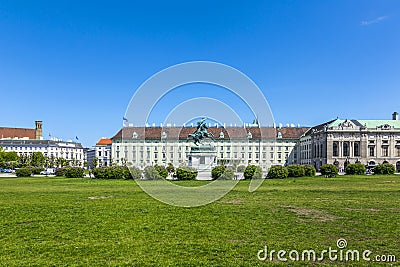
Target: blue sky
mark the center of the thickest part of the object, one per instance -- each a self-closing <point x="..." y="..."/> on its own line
<point x="76" y="64"/>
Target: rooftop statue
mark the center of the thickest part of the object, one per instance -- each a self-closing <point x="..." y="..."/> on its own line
<point x="200" y="133"/>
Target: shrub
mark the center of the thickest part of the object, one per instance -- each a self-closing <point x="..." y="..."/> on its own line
<point x="295" y="171"/>
<point x="217" y="171"/>
<point x="151" y="173"/>
<point x="228" y="174"/>
<point x="32" y="170"/>
<point x="135" y="172"/>
<point x="36" y="170"/>
<point x="115" y="172"/>
<point x="252" y="171"/>
<point x="309" y="170"/>
<point x="356" y="168"/>
<point x="277" y="172"/>
<point x="170" y="168"/>
<point x="240" y="168"/>
<point x="186" y="173"/>
<point x="60" y="171"/>
<point x="329" y="170"/>
<point x="385" y="168"/>
<point x="23" y="172"/>
<point x="162" y="171"/>
<point x="74" y="172"/>
<point x="222" y="172"/>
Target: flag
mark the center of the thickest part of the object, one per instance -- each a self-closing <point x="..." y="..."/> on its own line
<point x="124" y="119"/>
<point x="50" y="134"/>
<point x="76" y="137"/>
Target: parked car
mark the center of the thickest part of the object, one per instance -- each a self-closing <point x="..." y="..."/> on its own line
<point x="48" y="171"/>
<point x="5" y="170"/>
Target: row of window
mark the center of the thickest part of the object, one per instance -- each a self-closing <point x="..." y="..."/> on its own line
<point x="227" y="148"/>
<point x="57" y="155"/>
<point x="345" y="149"/>
<point x="36" y="148"/>
<point x="222" y="155"/>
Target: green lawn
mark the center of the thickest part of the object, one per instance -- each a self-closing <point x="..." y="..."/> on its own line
<point x="87" y="222"/>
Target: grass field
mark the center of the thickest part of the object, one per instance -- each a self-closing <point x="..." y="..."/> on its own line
<point x="87" y="222"/>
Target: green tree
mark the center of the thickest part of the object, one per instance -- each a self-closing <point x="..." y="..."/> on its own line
<point x="10" y="156"/>
<point x="37" y="159"/>
<point x="95" y="162"/>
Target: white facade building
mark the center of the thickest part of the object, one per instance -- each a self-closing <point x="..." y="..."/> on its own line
<point x="341" y="142"/>
<point x="103" y="151"/>
<point x="144" y="146"/>
<point x="71" y="151"/>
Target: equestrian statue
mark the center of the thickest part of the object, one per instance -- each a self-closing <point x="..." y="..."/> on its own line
<point x="200" y="133"/>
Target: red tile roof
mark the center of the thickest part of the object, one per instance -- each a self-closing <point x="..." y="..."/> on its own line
<point x="151" y="133"/>
<point x="104" y="142"/>
<point x="16" y="133"/>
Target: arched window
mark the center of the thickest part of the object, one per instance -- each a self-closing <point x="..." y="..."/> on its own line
<point x="346" y="149"/>
<point x="320" y="150"/>
<point x="335" y="149"/>
<point x="134" y="135"/>
<point x="221" y="135"/>
<point x="356" y="149"/>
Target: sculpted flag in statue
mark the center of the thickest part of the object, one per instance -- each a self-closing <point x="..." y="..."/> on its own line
<point x="200" y="133"/>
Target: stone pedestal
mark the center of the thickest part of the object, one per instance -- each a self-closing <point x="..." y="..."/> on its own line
<point x="203" y="159"/>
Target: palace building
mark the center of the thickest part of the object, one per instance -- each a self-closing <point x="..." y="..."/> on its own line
<point x="341" y="142"/>
<point x="265" y="146"/>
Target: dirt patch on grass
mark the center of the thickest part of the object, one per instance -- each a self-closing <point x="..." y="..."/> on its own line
<point x="234" y="201"/>
<point x="100" y="197"/>
<point x="371" y="209"/>
<point x="312" y="214"/>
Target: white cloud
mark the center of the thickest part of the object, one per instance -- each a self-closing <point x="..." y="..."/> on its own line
<point x="373" y="21"/>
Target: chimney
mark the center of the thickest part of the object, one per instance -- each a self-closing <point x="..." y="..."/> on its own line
<point x="395" y="116"/>
<point x="38" y="130"/>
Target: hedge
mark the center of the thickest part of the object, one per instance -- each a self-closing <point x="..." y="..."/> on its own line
<point x="136" y="173"/>
<point x="355" y="169"/>
<point x="240" y="168"/>
<point x="186" y="173"/>
<point x="385" y="168"/>
<point x="23" y="172"/>
<point x="115" y="172"/>
<point x="151" y="173"/>
<point x="217" y="171"/>
<point x="162" y="171"/>
<point x="295" y="171"/>
<point x="309" y="170"/>
<point x="74" y="172"/>
<point x="277" y="172"/>
<point x="252" y="171"/>
<point x="28" y="171"/>
<point x="329" y="170"/>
